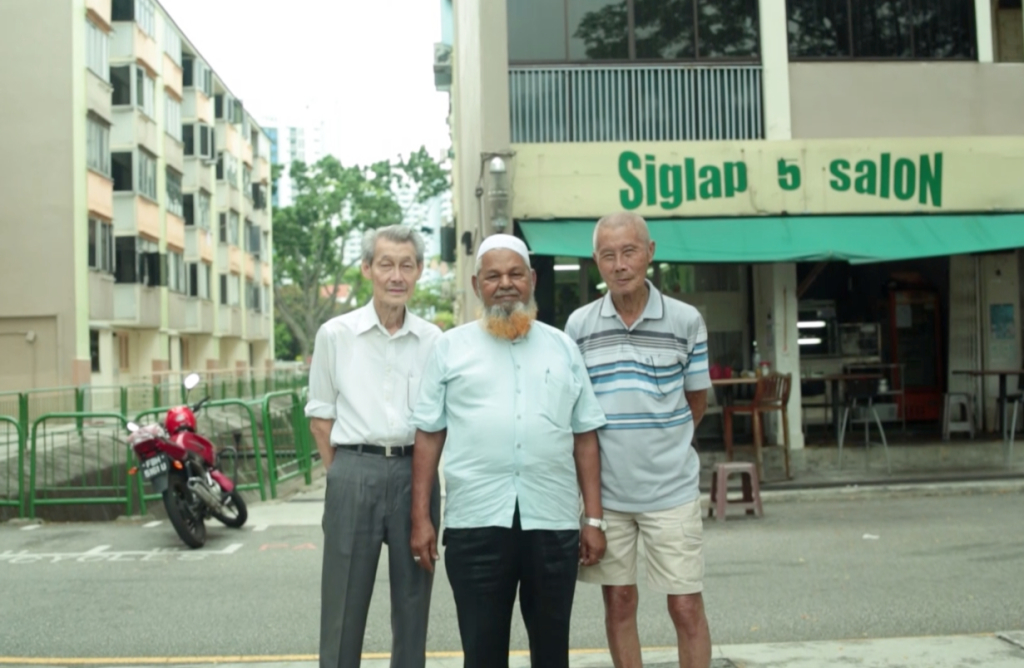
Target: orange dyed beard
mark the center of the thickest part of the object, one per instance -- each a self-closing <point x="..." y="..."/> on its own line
<point x="510" y="326"/>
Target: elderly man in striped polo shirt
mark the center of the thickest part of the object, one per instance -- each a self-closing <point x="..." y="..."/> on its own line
<point x="647" y="358"/>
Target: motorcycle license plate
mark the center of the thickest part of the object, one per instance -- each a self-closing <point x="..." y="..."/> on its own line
<point x="153" y="467"/>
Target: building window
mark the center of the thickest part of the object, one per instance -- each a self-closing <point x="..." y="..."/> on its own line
<point x="124" y="360"/>
<point x="252" y="239"/>
<point x="204" y="208"/>
<point x="233" y="219"/>
<point x="252" y="296"/>
<point x="172" y="117"/>
<point x="233" y="288"/>
<point x="222" y="228"/>
<point x="177" y="277"/>
<point x="141" y="11"/>
<point x="144" y="92"/>
<point x="188" y="202"/>
<point x="172" y="42"/>
<point x="121" y="167"/>
<point x="147" y="174"/>
<point x="620" y="30"/>
<point x="882" y="29"/>
<point x="121" y="79"/>
<point x="175" y="202"/>
<point x="199" y="280"/>
<point x="139" y="261"/>
<point x="227" y="168"/>
<point x="101" y="246"/>
<point x="195" y="74"/>
<point x="98" y="145"/>
<point x="259" y="196"/>
<point x="224" y="289"/>
<point x="97" y="50"/>
<point x="94" y="350"/>
<point x="247" y="181"/>
<point x="198" y="139"/>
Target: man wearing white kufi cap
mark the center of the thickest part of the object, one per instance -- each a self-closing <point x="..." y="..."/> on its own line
<point x="510" y="401"/>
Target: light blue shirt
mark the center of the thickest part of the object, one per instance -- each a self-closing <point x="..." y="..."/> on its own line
<point x="511" y="409"/>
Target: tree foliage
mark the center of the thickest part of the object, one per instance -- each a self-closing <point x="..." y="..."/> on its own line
<point x="331" y="203"/>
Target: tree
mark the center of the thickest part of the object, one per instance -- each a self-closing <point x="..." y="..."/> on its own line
<point x="332" y="204"/>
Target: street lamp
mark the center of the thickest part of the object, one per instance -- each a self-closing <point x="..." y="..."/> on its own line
<point x="498" y="194"/>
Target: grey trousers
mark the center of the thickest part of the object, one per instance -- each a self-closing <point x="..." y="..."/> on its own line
<point x="368" y="503"/>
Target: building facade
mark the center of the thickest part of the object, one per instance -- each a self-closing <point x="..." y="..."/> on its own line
<point x="829" y="183"/>
<point x="136" y="237"/>
<point x="290" y="143"/>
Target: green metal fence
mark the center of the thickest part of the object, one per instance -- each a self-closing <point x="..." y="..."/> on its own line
<point x="12" y="467"/>
<point x="288" y="438"/>
<point x="79" y="458"/>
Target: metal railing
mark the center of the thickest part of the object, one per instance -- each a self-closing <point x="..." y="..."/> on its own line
<point x="670" y="102"/>
<point x="286" y="431"/>
<point x="12" y="467"/>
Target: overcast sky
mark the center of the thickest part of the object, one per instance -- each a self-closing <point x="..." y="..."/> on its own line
<point x="365" y="67"/>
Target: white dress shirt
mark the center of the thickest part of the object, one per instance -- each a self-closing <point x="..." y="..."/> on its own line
<point x="366" y="379"/>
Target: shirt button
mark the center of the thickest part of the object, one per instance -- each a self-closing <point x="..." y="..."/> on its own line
<point x="517" y="474"/>
<point x="519" y="446"/>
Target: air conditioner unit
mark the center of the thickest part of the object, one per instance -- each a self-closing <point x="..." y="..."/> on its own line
<point x="442" y="66"/>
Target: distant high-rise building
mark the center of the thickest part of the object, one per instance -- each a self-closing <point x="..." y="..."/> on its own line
<point x="296" y="142"/>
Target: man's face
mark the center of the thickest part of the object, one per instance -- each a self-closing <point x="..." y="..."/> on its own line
<point x="394" y="272"/>
<point x="504" y="279"/>
<point x="622" y="257"/>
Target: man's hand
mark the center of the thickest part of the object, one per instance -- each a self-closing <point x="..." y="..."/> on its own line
<point x="321" y="430"/>
<point x="592" y="545"/>
<point x="423" y="542"/>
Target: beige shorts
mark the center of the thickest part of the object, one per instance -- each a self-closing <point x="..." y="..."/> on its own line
<point x="673" y="547"/>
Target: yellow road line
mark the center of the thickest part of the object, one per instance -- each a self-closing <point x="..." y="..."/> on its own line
<point x="243" y="658"/>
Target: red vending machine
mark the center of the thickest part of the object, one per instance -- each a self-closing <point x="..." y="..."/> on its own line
<point x="915" y="337"/>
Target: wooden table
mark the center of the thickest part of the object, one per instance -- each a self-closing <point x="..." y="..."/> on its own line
<point x="1002" y="373"/>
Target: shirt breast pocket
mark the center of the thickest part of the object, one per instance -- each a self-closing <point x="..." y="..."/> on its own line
<point x="561" y="390"/>
<point x="412" y="392"/>
<point x="667" y="369"/>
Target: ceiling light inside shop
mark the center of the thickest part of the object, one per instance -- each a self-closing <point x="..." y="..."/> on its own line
<point x="809" y="341"/>
<point x="811" y="324"/>
<point x="567" y="267"/>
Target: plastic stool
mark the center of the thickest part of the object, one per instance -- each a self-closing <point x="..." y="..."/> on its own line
<point x="720" y="500"/>
<point x="954" y="401"/>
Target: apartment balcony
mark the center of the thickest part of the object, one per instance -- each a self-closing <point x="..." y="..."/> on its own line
<point x="261" y="218"/>
<point x="100" y="195"/>
<point x="609" y="103"/>
<point x="196" y="105"/>
<point x="97" y="96"/>
<point x="99" y="11"/>
<point x="247" y="153"/>
<point x="228" y="196"/>
<point x="172" y="76"/>
<point x="247" y="207"/>
<point x="175" y="227"/>
<point x="101" y="296"/>
<point x="177" y="310"/>
<point x="230" y="323"/>
<point x="135" y="214"/>
<point x="198" y="244"/>
<point x="174" y="153"/>
<point x="199" y="174"/>
<point x="235" y="256"/>
<point x="261" y="173"/>
<point x="130" y="43"/>
<point x="229" y="139"/>
<point x="255" y="326"/>
<point x="132" y="127"/>
<point x="136" y="305"/>
<point x="266" y="273"/>
<point x="199" y="316"/>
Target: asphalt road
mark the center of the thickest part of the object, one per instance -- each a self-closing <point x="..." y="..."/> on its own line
<point x="806" y="571"/>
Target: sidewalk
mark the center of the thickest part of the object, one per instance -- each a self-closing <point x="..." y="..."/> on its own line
<point x="1002" y="650"/>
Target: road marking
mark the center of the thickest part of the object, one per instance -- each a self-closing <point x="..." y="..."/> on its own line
<point x="150" y="525"/>
<point x="31" y="527"/>
<point x="270" y="658"/>
<point x="260" y="527"/>
<point x="100" y="553"/>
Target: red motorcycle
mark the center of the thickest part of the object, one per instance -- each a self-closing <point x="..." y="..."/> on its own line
<point x="184" y="467"/>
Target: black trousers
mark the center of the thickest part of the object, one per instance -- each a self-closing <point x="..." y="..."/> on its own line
<point x="486" y="566"/>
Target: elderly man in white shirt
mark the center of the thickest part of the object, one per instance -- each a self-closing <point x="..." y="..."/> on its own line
<point x="510" y="401"/>
<point x="363" y="383"/>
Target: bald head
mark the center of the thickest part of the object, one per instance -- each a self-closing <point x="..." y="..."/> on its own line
<point x="623" y="219"/>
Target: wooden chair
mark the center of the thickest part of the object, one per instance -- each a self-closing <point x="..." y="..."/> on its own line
<point x="772" y="394"/>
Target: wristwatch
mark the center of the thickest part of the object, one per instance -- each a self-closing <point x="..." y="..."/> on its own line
<point x="592" y="522"/>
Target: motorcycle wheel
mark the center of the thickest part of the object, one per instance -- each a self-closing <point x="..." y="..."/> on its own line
<point x="236" y="513"/>
<point x="189" y="526"/>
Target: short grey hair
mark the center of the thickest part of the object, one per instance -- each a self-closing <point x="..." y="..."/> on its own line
<point x="399" y="234"/>
<point x="621" y="219"/>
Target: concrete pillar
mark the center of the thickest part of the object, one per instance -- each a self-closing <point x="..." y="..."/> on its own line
<point x="480" y="114"/>
<point x="775" y="69"/>
<point x="775" y="318"/>
<point x="983" y="29"/>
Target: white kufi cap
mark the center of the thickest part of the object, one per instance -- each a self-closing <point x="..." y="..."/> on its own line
<point x="508" y="241"/>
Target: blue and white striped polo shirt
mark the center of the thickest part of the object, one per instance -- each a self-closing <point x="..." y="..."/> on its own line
<point x="641" y="375"/>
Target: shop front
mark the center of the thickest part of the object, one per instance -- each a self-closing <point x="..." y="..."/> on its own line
<point x="816" y="258"/>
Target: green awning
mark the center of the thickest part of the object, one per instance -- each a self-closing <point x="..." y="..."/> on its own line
<point x="855" y="239"/>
